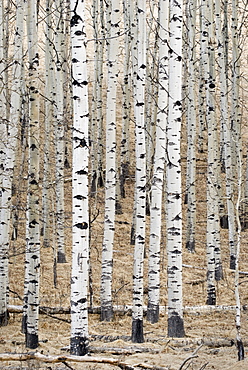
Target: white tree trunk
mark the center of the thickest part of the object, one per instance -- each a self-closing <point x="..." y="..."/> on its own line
<point x="140" y="173"/>
<point x="3" y="144"/>
<point x="159" y="165"/>
<point x="46" y="193"/>
<point x="32" y="262"/>
<point x="173" y="172"/>
<point x="191" y="129"/>
<point x="80" y="208"/>
<point x="110" y="182"/>
<point x="59" y="130"/>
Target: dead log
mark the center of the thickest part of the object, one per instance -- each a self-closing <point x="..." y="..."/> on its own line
<point x="70" y="358"/>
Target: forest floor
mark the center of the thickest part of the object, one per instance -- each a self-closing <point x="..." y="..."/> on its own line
<point x="210" y="333"/>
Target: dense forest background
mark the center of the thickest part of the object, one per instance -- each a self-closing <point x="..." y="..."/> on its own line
<point x="37" y="145"/>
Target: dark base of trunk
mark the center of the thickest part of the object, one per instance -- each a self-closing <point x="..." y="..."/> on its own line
<point x="4" y="318"/>
<point x="132" y="237"/>
<point x="32" y="341"/>
<point x="107" y="313"/>
<point x="241" y="351"/>
<point x="152" y="313"/>
<point x="137" y="331"/>
<point x="79" y="346"/>
<point x="218" y="272"/>
<point x="118" y="208"/>
<point x="224" y="222"/>
<point x="24" y="324"/>
<point x="176" y="326"/>
<point x="232" y="262"/>
<point x="191" y="246"/>
<point x="211" y="298"/>
<point x="61" y="257"/>
<point x="186" y="199"/>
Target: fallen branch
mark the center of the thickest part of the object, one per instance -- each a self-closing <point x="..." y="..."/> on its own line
<point x="70" y="358"/>
<point x="125" y="309"/>
<point x="193" y="355"/>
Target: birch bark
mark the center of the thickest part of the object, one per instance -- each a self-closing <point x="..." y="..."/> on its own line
<point x="159" y="165"/>
<point x="140" y="174"/>
<point x="3" y="132"/>
<point x="80" y="217"/>
<point x="32" y="262"/>
<point x="110" y="182"/>
<point x="59" y="129"/>
<point x="173" y="172"/>
<point x="191" y="129"/>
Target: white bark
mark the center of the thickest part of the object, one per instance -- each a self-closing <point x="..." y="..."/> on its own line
<point x="110" y="182"/>
<point x="3" y="144"/>
<point x="126" y="105"/>
<point x="46" y="193"/>
<point x="173" y="172"/>
<point x="191" y="129"/>
<point x="140" y="173"/>
<point x="59" y="129"/>
<point x="80" y="217"/>
<point x="32" y="262"/>
<point x="159" y="164"/>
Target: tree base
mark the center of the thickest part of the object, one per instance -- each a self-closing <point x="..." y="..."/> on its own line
<point x="107" y="313"/>
<point x="211" y="298"/>
<point x="61" y="257"/>
<point x="118" y="208"/>
<point x="232" y="262"/>
<point x="152" y="313"/>
<point x="218" y="272"/>
<point x="24" y="324"/>
<point x="224" y="222"/>
<point x="4" y="318"/>
<point x="175" y="326"/>
<point x="32" y="341"/>
<point x="191" y="246"/>
<point x="79" y="346"/>
<point x="137" y="331"/>
<point x="241" y="351"/>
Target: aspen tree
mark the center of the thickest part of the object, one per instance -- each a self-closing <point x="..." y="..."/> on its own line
<point x="140" y="173"/>
<point x="97" y="111"/>
<point x="191" y="128"/>
<point x="59" y="129"/>
<point x="3" y="144"/>
<point x="159" y="165"/>
<point x="173" y="173"/>
<point x="32" y="261"/>
<point x="80" y="163"/>
<point x="110" y="181"/>
<point x="240" y="345"/>
<point x="46" y="193"/>
<point x="126" y="105"/>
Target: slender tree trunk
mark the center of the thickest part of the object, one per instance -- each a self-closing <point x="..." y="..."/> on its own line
<point x="159" y="165"/>
<point x="80" y="207"/>
<point x="32" y="262"/>
<point x="4" y="260"/>
<point x="191" y="129"/>
<point x="140" y="174"/>
<point x="110" y="182"/>
<point x="173" y="172"/>
<point x="46" y="193"/>
<point x="59" y="130"/>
